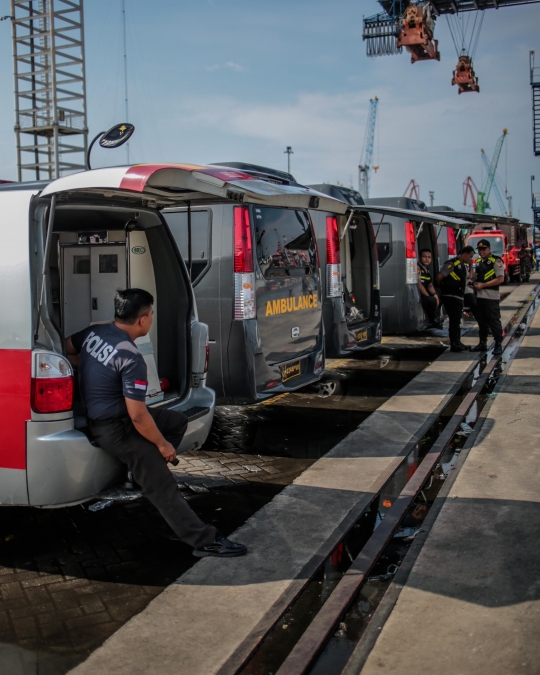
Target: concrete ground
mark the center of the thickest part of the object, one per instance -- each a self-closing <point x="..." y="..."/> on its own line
<point x="472" y="601"/>
<point x="210" y="619"/>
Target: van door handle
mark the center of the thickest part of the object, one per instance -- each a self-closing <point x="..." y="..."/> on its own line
<point x="94" y="303"/>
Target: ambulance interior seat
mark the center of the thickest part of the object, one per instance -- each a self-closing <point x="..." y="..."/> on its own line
<point x="173" y="296"/>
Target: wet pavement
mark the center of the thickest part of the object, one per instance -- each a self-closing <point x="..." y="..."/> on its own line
<point x="70" y="577"/>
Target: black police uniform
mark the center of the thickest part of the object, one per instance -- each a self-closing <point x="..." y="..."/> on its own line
<point x="488" y="312"/>
<point x="452" y="291"/>
<point x="111" y="369"/>
<point x="429" y="303"/>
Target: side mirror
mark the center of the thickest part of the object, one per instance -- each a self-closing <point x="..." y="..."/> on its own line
<point x="113" y="138"/>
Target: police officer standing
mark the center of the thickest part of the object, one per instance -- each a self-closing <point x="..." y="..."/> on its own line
<point x="428" y="295"/>
<point x="489" y="275"/>
<point x="113" y="382"/>
<point x="525" y="262"/>
<point x="452" y="280"/>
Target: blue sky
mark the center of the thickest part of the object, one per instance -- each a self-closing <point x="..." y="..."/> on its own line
<point x="240" y="80"/>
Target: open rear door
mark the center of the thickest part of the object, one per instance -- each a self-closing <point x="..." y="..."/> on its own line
<point x="416" y="216"/>
<point x="173" y="184"/>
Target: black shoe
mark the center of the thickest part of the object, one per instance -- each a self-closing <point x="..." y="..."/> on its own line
<point x="498" y="349"/>
<point x="459" y="348"/>
<point x="480" y="347"/>
<point x="221" y="548"/>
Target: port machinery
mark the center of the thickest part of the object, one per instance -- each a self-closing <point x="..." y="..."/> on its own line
<point x="411" y="24"/>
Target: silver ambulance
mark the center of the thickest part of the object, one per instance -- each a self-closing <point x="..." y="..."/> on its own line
<point x="66" y="247"/>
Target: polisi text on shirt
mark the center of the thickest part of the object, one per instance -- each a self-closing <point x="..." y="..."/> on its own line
<point x="98" y="348"/>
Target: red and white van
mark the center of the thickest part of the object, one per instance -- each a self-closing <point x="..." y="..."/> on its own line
<point x="66" y="247"/>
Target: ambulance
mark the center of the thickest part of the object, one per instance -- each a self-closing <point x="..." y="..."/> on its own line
<point x="67" y="246"/>
<point x="256" y="275"/>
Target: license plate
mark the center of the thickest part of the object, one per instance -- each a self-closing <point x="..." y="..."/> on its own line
<point x="361" y="336"/>
<point x="289" y="371"/>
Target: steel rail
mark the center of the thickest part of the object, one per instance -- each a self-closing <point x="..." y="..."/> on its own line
<point x="304" y="654"/>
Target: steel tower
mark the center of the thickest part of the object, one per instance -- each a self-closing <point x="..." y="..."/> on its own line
<point x="535" y="85"/>
<point x="50" y="88"/>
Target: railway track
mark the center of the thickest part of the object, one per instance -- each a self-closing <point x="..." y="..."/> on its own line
<point x="305" y="656"/>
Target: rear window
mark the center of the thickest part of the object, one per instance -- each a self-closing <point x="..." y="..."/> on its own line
<point x="200" y="238"/>
<point x="383" y="235"/>
<point x="284" y="242"/>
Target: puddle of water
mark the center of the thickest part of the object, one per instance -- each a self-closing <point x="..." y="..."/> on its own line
<point x="309" y="423"/>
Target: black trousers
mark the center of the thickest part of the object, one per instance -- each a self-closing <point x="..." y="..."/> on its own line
<point x="149" y="468"/>
<point x="470" y="302"/>
<point x="454" y="309"/>
<point x="488" y="315"/>
<point x="429" y="305"/>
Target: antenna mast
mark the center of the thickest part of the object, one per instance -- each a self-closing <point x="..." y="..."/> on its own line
<point x="126" y="107"/>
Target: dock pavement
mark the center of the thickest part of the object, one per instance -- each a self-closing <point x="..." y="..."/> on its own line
<point x="471" y="602"/>
<point x="213" y="616"/>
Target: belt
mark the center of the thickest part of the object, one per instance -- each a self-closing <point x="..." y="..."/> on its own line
<point x="102" y="423"/>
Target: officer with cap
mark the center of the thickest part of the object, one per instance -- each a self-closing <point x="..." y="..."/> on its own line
<point x="489" y="275"/>
<point x="452" y="280"/>
<point x="113" y="382"/>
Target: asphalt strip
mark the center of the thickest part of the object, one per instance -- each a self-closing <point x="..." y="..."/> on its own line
<point x="211" y="618"/>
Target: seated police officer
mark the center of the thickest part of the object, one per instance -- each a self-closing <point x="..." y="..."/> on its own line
<point x="113" y="383"/>
<point x="428" y="295"/>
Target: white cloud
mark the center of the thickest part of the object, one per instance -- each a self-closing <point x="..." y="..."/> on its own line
<point x="228" y="65"/>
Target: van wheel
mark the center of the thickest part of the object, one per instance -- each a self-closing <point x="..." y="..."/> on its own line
<point x="326" y="389"/>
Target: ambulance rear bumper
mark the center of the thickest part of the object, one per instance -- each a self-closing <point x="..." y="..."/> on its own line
<point x="64" y="467"/>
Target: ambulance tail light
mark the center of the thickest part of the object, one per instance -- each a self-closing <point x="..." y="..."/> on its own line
<point x="52" y="383"/>
<point x="411" y="268"/>
<point x="207" y="358"/>
<point x="452" y="247"/>
<point x="244" y="278"/>
<point x="333" y="266"/>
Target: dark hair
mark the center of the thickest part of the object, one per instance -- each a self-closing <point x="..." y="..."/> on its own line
<point x="466" y="249"/>
<point x="426" y="250"/>
<point x="131" y="303"/>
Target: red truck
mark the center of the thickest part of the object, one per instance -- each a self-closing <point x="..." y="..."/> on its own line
<point x="506" y="239"/>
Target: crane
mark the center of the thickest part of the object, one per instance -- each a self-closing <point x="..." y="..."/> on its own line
<point x="479" y="198"/>
<point x="410" y="24"/>
<point x="483" y="196"/>
<point x="412" y="191"/>
<point x="496" y="190"/>
<point x="364" y="168"/>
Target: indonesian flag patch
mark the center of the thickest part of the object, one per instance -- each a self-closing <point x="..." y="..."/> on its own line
<point x="139" y="384"/>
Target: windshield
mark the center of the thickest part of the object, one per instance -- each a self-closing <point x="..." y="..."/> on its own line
<point x="497" y="243"/>
<point x="284" y="242"/>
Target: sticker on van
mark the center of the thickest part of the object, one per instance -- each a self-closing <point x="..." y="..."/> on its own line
<point x="285" y="305"/>
<point x="138" y="250"/>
